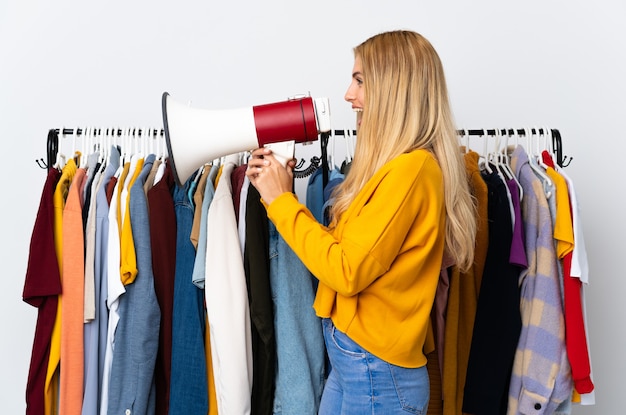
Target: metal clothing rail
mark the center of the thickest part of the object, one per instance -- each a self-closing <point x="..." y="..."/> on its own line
<point x="112" y="131"/>
<point x="53" y="142"/>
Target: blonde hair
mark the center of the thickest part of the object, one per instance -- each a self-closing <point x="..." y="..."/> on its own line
<point x="406" y="108"/>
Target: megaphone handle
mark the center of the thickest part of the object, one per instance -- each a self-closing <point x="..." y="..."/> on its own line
<point x="283" y="151"/>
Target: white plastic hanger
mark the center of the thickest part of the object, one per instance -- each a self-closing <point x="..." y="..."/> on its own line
<point x="496" y="159"/>
<point x="549" y="144"/>
<point x="506" y="165"/>
<point x="331" y="152"/>
<point x="508" y="162"/>
<point x="541" y="134"/>
<point x="485" y="155"/>
<point x="465" y="141"/>
<point x="532" y="158"/>
<point x="60" y="159"/>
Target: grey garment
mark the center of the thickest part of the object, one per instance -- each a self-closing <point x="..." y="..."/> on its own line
<point x="132" y="386"/>
<point x="96" y="330"/>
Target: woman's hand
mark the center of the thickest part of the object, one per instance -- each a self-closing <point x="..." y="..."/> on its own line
<point x="269" y="177"/>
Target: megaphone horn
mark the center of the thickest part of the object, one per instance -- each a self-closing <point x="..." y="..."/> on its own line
<point x="195" y="136"/>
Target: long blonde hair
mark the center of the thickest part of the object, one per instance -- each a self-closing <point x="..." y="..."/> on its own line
<point x="406" y="108"/>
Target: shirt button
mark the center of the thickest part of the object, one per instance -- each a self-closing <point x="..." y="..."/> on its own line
<point x="128" y="412"/>
<point x="537" y="407"/>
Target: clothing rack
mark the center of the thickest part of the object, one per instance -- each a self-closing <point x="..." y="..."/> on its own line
<point x="557" y="145"/>
<point x="315" y="162"/>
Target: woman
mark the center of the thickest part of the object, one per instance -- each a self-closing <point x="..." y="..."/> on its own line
<point x="403" y="204"/>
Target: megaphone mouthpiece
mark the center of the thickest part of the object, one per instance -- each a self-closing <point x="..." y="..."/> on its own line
<point x="197" y="136"/>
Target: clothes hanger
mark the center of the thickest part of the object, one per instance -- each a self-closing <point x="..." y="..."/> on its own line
<point x="539" y="148"/>
<point x="60" y="158"/>
<point x="86" y="132"/>
<point x="498" y="156"/>
<point x="465" y="141"/>
<point x="507" y="163"/>
<point x="331" y="153"/>
<point x="546" y="181"/>
<point x="485" y="155"/>
<point x="549" y="144"/>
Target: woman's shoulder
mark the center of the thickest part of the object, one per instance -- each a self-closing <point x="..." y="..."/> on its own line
<point x="414" y="161"/>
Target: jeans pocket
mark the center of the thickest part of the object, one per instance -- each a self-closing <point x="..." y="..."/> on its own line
<point x="345" y="344"/>
<point x="413" y="388"/>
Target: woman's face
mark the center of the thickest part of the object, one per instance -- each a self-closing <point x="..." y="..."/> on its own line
<point x="356" y="91"/>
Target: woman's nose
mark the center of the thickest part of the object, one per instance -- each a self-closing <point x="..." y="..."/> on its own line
<point x="349" y="96"/>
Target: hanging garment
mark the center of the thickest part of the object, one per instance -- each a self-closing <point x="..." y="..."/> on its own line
<point x="163" y="245"/>
<point x="580" y="270"/>
<point x="52" y="376"/>
<point x="299" y="338"/>
<point x="188" y="383"/>
<point x="91" y="297"/>
<point x="497" y="323"/>
<point x="198" y="197"/>
<point x="257" y="269"/>
<point x="199" y="266"/>
<point x="73" y="284"/>
<point x="115" y="288"/>
<point x="42" y="286"/>
<point x="132" y="385"/>
<point x="96" y="330"/>
<point x="128" y="254"/>
<point x="575" y="333"/>
<point x="463" y="299"/>
<point x="227" y="301"/>
<point x="89" y="194"/>
<point x="541" y="378"/>
<point x="315" y="195"/>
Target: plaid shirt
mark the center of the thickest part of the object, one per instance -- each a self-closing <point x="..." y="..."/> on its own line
<point x="541" y="377"/>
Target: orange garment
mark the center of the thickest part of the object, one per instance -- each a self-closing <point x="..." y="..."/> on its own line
<point x="73" y="286"/>
<point x="209" y="371"/>
<point x="463" y="300"/>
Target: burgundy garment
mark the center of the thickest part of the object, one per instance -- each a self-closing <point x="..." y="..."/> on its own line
<point x="42" y="287"/>
<point x="236" y="179"/>
<point x="163" y="244"/>
<point x="110" y="188"/>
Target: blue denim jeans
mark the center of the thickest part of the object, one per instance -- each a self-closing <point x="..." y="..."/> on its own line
<point x="361" y="383"/>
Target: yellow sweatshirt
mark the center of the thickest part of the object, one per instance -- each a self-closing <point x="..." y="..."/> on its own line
<point x="378" y="268"/>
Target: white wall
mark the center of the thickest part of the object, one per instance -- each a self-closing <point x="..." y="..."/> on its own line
<point x="560" y="64"/>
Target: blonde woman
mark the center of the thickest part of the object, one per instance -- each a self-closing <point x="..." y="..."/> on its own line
<point x="404" y="203"/>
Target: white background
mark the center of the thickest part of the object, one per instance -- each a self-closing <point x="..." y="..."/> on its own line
<point x="560" y="64"/>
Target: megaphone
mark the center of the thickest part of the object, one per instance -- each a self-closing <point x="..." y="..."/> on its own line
<point x="196" y="136"/>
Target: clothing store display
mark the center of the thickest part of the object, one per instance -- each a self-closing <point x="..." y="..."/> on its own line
<point x="154" y="298"/>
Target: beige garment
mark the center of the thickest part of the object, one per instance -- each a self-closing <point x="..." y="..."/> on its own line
<point x="150" y="179"/>
<point x="90" y="252"/>
<point x="198" y="197"/>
